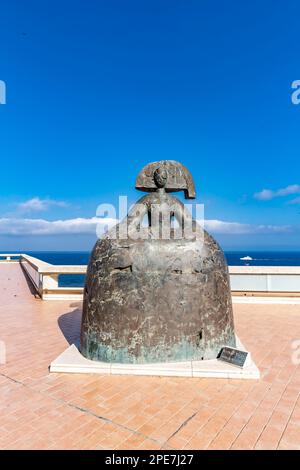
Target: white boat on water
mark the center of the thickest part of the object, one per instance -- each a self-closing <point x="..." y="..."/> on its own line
<point x="246" y="258"/>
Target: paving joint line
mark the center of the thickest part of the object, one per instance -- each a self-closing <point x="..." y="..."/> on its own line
<point x="296" y="401"/>
<point x="274" y="409"/>
<point x="181" y="426"/>
<point x="86" y="411"/>
<point x="215" y="414"/>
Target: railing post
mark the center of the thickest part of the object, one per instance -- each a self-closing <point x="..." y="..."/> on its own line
<point x="269" y="283"/>
<point x="50" y="281"/>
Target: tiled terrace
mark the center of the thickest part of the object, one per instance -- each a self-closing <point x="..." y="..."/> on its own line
<point x="39" y="410"/>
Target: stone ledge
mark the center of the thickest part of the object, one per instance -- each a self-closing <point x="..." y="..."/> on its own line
<point x="252" y="299"/>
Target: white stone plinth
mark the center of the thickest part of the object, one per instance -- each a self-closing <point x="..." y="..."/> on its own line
<point x="72" y="361"/>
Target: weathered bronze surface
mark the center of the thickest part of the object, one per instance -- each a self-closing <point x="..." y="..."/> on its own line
<point x="157" y="300"/>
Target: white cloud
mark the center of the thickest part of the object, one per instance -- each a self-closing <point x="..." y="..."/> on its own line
<point x="219" y="226"/>
<point x="264" y="195"/>
<point x="21" y="226"/>
<point x="38" y="205"/>
<point x="268" y="194"/>
<point x="236" y="228"/>
<point x="295" y="201"/>
<point x="18" y="226"/>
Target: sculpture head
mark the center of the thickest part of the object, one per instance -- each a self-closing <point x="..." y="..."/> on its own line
<point x="160" y="177"/>
<point x="167" y="174"/>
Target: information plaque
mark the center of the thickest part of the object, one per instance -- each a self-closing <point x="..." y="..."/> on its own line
<point x="234" y="356"/>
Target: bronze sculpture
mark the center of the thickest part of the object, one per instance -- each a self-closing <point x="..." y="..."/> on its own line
<point x="155" y="298"/>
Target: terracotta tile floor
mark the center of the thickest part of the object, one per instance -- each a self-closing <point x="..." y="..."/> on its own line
<point x="39" y="410"/>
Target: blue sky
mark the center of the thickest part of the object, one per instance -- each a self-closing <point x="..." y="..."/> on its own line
<point x="97" y="89"/>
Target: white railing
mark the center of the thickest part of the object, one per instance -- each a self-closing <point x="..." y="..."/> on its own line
<point x="13" y="257"/>
<point x="44" y="277"/>
<point x="265" y="280"/>
<point x="280" y="281"/>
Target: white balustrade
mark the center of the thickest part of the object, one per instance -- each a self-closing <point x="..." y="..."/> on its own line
<point x="244" y="280"/>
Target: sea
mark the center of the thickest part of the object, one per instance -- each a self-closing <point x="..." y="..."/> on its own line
<point x="234" y="258"/>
